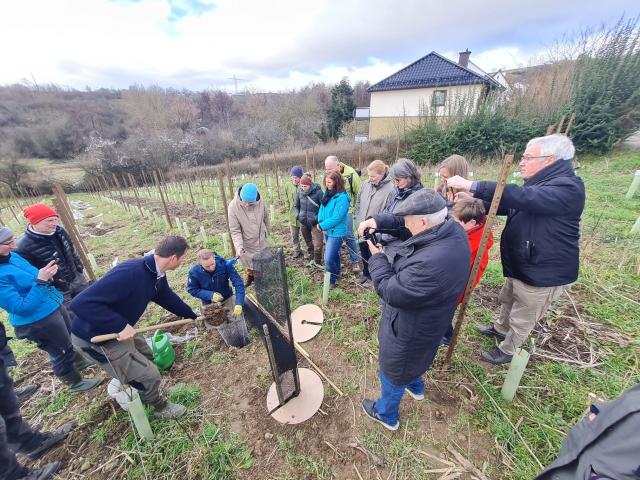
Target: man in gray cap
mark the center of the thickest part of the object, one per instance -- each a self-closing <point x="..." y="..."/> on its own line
<point x="420" y="288"/>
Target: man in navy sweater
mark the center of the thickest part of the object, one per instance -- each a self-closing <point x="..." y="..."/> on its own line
<point x="115" y="303"/>
<point x="209" y="281"/>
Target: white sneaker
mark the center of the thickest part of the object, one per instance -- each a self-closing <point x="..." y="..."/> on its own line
<point x="414" y="395"/>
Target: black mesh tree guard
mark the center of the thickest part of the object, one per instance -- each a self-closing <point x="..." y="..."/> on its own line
<point x="272" y="293"/>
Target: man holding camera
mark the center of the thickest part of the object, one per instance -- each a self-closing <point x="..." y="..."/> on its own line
<point x="420" y="288"/>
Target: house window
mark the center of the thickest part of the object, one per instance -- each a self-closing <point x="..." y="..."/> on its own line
<point x="439" y="98"/>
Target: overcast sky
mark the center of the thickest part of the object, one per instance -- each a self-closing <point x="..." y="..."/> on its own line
<point x="273" y="44"/>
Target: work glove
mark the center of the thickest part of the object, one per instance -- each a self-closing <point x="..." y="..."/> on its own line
<point x="216" y="297"/>
<point x="237" y="310"/>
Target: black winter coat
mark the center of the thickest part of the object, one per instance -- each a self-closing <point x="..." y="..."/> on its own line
<point x="420" y="292"/>
<point x="307" y="205"/>
<point x="39" y="250"/>
<point x="540" y="242"/>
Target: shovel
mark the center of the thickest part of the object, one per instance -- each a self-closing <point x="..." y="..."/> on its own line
<point x="113" y="336"/>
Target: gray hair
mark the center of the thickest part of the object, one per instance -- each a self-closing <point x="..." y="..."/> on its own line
<point x="204" y="254"/>
<point x="405" y="168"/>
<point x="434" y="218"/>
<point x="332" y="158"/>
<point x="556" y="145"/>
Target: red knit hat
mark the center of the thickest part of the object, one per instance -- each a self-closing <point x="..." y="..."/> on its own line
<point x="38" y="212"/>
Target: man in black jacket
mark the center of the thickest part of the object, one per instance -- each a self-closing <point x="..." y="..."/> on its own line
<point x="420" y="290"/>
<point x="539" y="245"/>
<point x="45" y="240"/>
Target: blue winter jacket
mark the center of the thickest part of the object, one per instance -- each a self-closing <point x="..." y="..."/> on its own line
<point x="121" y="297"/>
<point x="26" y="300"/>
<point x="203" y="284"/>
<point x="332" y="217"/>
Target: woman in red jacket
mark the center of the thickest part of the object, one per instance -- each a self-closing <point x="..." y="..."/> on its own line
<point x="470" y="213"/>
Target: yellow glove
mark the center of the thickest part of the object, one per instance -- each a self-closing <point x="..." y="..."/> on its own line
<point x="216" y="297"/>
<point x="237" y="310"/>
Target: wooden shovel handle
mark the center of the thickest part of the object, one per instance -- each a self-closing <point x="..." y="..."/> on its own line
<point x="113" y="336"/>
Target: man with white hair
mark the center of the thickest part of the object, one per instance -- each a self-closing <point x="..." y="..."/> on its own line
<point x="420" y="291"/>
<point x="352" y="185"/>
<point x="539" y="245"/>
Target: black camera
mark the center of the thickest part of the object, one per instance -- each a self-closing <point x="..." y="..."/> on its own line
<point x="370" y="234"/>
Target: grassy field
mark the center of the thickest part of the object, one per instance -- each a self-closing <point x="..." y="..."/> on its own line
<point x="587" y="348"/>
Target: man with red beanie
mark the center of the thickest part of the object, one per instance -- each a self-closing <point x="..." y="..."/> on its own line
<point x="45" y="240"/>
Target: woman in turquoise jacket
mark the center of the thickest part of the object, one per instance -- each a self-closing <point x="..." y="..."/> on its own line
<point x="36" y="312"/>
<point x="332" y="220"/>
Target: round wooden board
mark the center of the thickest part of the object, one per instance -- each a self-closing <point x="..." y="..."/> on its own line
<point x="303" y="332"/>
<point x="302" y="407"/>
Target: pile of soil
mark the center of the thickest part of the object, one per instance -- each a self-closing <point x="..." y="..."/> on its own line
<point x="214" y="314"/>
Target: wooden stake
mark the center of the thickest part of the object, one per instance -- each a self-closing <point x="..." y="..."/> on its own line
<point x="398" y="146"/>
<point x="491" y="216"/>
<point x="135" y="193"/>
<point x="193" y="202"/>
<point x="570" y="124"/>
<point x="313" y="161"/>
<point x="561" y="123"/>
<point x="306" y="161"/>
<point x="550" y="129"/>
<point x="275" y="171"/>
<point x="226" y="211"/>
<point x="164" y="202"/>
<point x="227" y="164"/>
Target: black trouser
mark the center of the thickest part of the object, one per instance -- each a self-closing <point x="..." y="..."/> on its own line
<point x="366" y="255"/>
<point x="51" y="334"/>
<point x="77" y="285"/>
<point x="13" y="430"/>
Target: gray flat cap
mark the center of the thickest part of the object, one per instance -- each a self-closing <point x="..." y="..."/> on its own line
<point x="423" y="202"/>
<point x="5" y="234"/>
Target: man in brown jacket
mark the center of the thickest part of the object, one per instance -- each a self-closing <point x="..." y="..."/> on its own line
<point x="249" y="225"/>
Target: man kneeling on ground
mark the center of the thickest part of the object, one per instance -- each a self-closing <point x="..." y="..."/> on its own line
<point x="115" y="303"/>
<point x="420" y="290"/>
<point x="209" y="281"/>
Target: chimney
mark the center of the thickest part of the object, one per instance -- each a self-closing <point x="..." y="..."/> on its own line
<point x="464" y="58"/>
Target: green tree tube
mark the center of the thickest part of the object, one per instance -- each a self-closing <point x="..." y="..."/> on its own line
<point x="325" y="288"/>
<point x="139" y="417"/>
<point x="514" y="375"/>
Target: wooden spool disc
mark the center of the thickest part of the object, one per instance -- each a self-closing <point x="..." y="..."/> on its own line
<point x="302" y="407"/>
<point x="303" y="331"/>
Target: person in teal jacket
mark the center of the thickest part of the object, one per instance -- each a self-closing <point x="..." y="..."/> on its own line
<point x="36" y="312"/>
<point x="332" y="220"/>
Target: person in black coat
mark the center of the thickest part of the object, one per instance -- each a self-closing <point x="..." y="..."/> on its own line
<point x="420" y="291"/>
<point x="539" y="245"/>
<point x="306" y="209"/>
<point x="45" y="240"/>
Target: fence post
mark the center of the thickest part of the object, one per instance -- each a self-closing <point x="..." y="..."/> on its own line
<point x="164" y="203"/>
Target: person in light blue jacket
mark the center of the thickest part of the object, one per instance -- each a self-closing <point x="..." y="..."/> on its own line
<point x="36" y="312"/>
<point x="332" y="220"/>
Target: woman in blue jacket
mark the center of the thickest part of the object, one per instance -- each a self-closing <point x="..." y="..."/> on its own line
<point x="332" y="220"/>
<point x="36" y="312"/>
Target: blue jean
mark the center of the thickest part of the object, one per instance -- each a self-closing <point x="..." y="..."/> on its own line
<point x="388" y="406"/>
<point x="332" y="256"/>
<point x="350" y="240"/>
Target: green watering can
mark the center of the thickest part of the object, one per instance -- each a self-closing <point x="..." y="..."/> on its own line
<point x="163" y="353"/>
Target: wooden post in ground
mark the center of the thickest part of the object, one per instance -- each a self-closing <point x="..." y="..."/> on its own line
<point x="398" y="146"/>
<point x="9" y="205"/>
<point x="193" y="202"/>
<point x="313" y="161"/>
<point x="156" y="177"/>
<point x="226" y="211"/>
<point x="60" y="201"/>
<point x="132" y="181"/>
<point x="561" y="124"/>
<point x="306" y="161"/>
<point x="550" y="129"/>
<point x="491" y="216"/>
<point x="275" y="172"/>
<point x="227" y="166"/>
<point x="119" y="188"/>
<point x="570" y="124"/>
<point x="360" y="157"/>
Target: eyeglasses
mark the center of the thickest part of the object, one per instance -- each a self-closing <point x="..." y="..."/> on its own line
<point x="526" y="158"/>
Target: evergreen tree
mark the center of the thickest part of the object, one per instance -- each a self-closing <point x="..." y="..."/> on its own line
<point x="341" y="109"/>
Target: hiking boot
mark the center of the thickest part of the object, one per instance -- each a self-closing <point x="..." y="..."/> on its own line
<point x="368" y="284"/>
<point x="42" y="473"/>
<point x="490" y="331"/>
<point x="75" y="383"/>
<point x="415" y="396"/>
<point x="355" y="268"/>
<point x="369" y="408"/>
<point x="25" y="392"/>
<point x="170" y="410"/>
<point x="50" y="440"/>
<point x="82" y="363"/>
<point x="496" y="356"/>
<point x="361" y="279"/>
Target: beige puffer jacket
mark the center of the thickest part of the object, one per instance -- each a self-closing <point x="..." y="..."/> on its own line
<point x="249" y="225"/>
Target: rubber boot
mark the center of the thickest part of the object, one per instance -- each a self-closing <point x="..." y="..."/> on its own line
<point x="75" y="382"/>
